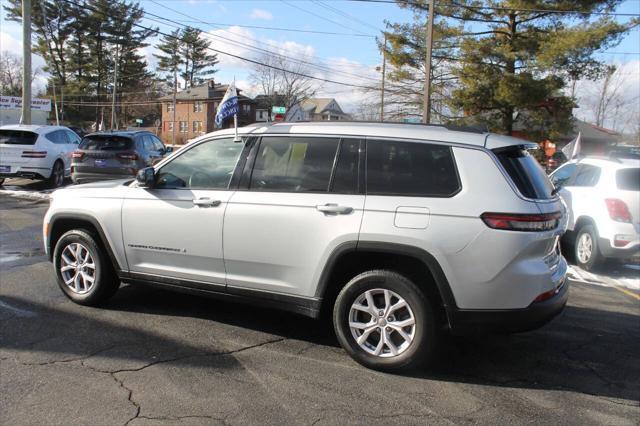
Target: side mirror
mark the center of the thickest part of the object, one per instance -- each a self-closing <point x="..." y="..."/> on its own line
<point x="146" y="177"/>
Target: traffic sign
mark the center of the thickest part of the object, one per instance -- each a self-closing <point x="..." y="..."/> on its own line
<point x="278" y="110"/>
<point x="278" y="117"/>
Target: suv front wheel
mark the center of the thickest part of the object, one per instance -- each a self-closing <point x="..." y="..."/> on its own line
<point x="385" y="322"/>
<point x="82" y="268"/>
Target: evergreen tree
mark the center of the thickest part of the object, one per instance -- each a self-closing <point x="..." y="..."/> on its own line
<point x="199" y="62"/>
<point x="509" y="57"/>
<point x="170" y="58"/>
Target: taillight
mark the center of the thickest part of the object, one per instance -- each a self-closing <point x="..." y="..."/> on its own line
<point x="34" y="154"/>
<point x="78" y="155"/>
<point x="618" y="210"/>
<point x="522" y="222"/>
<point x="132" y="156"/>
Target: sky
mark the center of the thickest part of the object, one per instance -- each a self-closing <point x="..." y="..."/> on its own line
<point x="351" y="56"/>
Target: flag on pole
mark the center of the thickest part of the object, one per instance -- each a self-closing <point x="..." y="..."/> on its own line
<point x="572" y="149"/>
<point x="229" y="105"/>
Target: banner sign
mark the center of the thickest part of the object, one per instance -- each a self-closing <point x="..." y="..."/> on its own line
<point x="15" y="102"/>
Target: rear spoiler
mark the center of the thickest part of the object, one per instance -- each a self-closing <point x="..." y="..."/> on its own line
<point x="501" y="142"/>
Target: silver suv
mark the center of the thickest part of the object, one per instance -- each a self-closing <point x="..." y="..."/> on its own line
<point x="399" y="231"/>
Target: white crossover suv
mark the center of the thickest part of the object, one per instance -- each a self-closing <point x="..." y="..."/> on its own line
<point x="603" y="200"/>
<point x="400" y="231"/>
<point x="37" y="152"/>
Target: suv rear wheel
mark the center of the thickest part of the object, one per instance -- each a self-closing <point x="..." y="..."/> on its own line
<point x="586" y="251"/>
<point x="57" y="175"/>
<point x="83" y="270"/>
<point x="385" y="322"/>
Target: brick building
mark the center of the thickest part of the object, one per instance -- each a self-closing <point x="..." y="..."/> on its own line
<point x="196" y="111"/>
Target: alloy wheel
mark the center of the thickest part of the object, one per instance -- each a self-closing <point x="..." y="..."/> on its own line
<point x="77" y="268"/>
<point x="382" y="323"/>
<point x="585" y="248"/>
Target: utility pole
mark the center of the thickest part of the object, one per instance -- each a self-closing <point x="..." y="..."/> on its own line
<point x="115" y="83"/>
<point x="175" y="89"/>
<point x="384" y="66"/>
<point x="26" y="62"/>
<point x="426" y="114"/>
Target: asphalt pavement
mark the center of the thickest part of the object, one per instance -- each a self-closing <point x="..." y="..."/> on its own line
<point x="152" y="357"/>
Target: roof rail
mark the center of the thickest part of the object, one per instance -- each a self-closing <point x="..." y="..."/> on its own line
<point x="480" y="129"/>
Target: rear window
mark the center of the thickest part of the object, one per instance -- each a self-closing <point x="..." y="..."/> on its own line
<point x="106" y="143"/>
<point x="526" y="173"/>
<point x="17" y="137"/>
<point x="628" y="179"/>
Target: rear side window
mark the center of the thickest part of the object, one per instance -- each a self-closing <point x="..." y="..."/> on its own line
<point x="58" y="137"/>
<point x="587" y="175"/>
<point x="628" y="179"/>
<point x="106" y="143"/>
<point x="345" y="178"/>
<point x="17" y="137"/>
<point x="294" y="164"/>
<point x="526" y="173"/>
<point x="411" y="169"/>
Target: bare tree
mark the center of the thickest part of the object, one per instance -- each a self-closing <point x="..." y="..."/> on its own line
<point x="612" y="106"/>
<point x="284" y="81"/>
<point x="11" y="74"/>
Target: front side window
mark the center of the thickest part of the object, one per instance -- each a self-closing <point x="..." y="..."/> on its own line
<point x="410" y="169"/>
<point x="562" y="176"/>
<point x="208" y="165"/>
<point x="294" y="164"/>
<point x="587" y="175"/>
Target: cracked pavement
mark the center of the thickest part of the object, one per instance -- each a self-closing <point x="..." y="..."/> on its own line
<point x="151" y="357"/>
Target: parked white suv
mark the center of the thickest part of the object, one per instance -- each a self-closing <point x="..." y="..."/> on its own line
<point x="603" y="199"/>
<point x="400" y="230"/>
<point x="37" y="152"/>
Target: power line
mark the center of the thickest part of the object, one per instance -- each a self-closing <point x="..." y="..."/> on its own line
<point x="318" y="16"/>
<point x="345" y="14"/>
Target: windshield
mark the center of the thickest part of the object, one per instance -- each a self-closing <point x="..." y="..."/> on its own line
<point x="106" y="143"/>
<point x="17" y="137"/>
<point x="526" y="173"/>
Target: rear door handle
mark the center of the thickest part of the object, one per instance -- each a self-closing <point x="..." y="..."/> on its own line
<point x="334" y="208"/>
<point x="206" y="202"/>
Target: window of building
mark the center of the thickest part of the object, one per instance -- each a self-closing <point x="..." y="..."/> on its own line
<point x="169" y="125"/>
<point x="411" y="169"/>
<point x="246" y="108"/>
<point x="170" y="107"/>
<point x="208" y="165"/>
<point x="183" y="127"/>
<point x="197" y="106"/>
<point x="197" y="126"/>
<point x="294" y="164"/>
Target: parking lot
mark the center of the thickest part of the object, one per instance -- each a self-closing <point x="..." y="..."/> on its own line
<point x="154" y="357"/>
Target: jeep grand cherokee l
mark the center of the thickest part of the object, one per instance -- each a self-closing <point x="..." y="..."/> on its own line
<point x="399" y="230"/>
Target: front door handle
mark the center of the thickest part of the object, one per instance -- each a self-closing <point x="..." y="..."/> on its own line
<point x="334" y="209"/>
<point x="206" y="202"/>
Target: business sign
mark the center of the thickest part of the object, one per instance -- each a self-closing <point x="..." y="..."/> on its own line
<point x="139" y="121"/>
<point x="278" y="110"/>
<point x="15" y="102"/>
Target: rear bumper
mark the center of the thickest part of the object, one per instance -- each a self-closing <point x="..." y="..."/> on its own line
<point x="27" y="174"/>
<point x="620" y="253"/>
<point x="511" y="320"/>
<point x="96" y="177"/>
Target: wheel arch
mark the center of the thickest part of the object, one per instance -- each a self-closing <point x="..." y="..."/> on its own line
<point x="351" y="258"/>
<point x="62" y="222"/>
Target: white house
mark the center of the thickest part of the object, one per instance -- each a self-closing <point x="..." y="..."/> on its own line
<point x="317" y="109"/>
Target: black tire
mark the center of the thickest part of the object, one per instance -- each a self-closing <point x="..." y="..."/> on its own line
<point x="589" y="262"/>
<point x="56" y="180"/>
<point x="421" y="349"/>
<point x="105" y="281"/>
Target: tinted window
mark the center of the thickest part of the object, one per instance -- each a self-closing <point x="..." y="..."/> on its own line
<point x="148" y="143"/>
<point x="587" y="175"/>
<point x="207" y="165"/>
<point x="408" y="168"/>
<point x="562" y="176"/>
<point x="106" y="143"/>
<point x="58" y="137"/>
<point x="73" y="137"/>
<point x="17" y="137"/>
<point x="628" y="179"/>
<point x="293" y="164"/>
<point x="156" y="143"/>
<point x="345" y="178"/>
<point x="526" y="173"/>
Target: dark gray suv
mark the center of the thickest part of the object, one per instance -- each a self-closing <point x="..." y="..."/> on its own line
<point x="115" y="155"/>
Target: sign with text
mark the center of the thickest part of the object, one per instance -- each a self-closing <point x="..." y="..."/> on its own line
<point x="278" y="110"/>
<point x="15" y="102"/>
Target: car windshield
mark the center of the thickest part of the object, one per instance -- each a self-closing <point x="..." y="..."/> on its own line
<point x="17" y="137"/>
<point x="628" y="179"/>
<point x="106" y="143"/>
